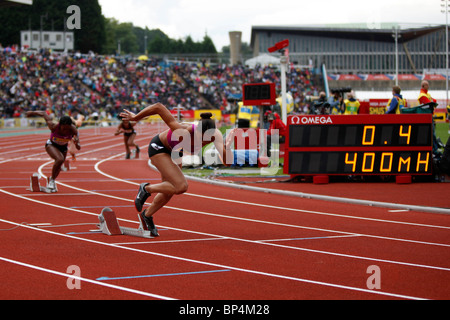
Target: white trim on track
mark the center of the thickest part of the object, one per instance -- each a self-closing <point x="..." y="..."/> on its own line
<point x="100" y="283"/>
<point x="377" y="292"/>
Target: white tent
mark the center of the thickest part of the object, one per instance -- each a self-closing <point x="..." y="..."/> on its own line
<point x="407" y="94"/>
<point x="263" y="60"/>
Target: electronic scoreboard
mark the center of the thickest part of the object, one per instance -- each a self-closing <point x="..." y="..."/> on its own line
<point x="258" y="94"/>
<point x="397" y="144"/>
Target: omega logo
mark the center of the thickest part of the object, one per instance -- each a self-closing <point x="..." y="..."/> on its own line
<point x="311" y="120"/>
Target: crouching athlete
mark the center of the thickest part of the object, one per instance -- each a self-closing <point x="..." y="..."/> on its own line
<point x="129" y="134"/>
<point x="56" y="146"/>
<point x="165" y="150"/>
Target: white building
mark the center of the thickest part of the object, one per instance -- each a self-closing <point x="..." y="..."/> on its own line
<point x="56" y="40"/>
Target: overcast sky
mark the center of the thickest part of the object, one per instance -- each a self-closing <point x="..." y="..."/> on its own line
<point x="180" y="18"/>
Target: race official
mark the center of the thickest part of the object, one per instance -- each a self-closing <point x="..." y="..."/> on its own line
<point x="424" y="96"/>
<point x="397" y="102"/>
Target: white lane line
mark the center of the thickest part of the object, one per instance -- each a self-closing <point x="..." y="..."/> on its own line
<point x="321" y="283"/>
<point x="248" y="241"/>
<point x="100" y="283"/>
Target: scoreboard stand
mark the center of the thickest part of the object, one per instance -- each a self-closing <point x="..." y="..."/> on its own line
<point x="322" y="146"/>
<point x="322" y="179"/>
<point x="404" y="179"/>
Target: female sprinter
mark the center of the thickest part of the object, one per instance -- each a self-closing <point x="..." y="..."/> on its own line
<point x="127" y="128"/>
<point x="56" y="146"/>
<point x="164" y="147"/>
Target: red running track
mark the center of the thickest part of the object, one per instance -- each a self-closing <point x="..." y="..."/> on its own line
<point x="216" y="243"/>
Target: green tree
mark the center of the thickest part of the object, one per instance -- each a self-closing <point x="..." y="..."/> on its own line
<point x="150" y="34"/>
<point x="207" y="46"/>
<point x="97" y="33"/>
<point x="176" y="46"/>
<point x="159" y="44"/>
<point x="127" y="38"/>
<point x="51" y="15"/>
<point x="110" y="33"/>
<point x="189" y="45"/>
<point x="92" y="36"/>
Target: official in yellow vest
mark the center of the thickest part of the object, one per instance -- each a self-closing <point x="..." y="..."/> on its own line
<point x="351" y="105"/>
<point x="244" y="112"/>
<point x="397" y="102"/>
<point x="424" y="96"/>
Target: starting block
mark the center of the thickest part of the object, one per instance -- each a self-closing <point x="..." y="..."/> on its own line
<point x="110" y="226"/>
<point x="35" y="185"/>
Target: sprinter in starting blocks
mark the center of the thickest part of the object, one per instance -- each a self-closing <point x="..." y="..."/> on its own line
<point x="110" y="226"/>
<point x="35" y="185"/>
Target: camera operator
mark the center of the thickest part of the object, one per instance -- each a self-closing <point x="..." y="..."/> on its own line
<point x="320" y="106"/>
<point x="336" y="102"/>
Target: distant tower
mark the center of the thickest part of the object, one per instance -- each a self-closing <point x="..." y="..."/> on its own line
<point x="235" y="47"/>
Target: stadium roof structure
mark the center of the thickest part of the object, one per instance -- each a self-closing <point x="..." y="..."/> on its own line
<point x="358" y="31"/>
<point x="10" y="3"/>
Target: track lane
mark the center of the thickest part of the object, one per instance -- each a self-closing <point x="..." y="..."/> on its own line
<point x="267" y="280"/>
<point x="194" y="247"/>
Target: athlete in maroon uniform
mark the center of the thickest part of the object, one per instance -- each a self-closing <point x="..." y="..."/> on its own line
<point x="56" y="146"/>
<point x="127" y="128"/>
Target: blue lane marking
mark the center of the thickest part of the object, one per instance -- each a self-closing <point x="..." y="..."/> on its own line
<point x="312" y="238"/>
<point x="100" y="190"/>
<point x="161" y="275"/>
<point x="90" y="232"/>
<point x="94" y="207"/>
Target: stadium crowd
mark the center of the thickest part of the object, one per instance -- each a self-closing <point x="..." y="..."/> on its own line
<point x="99" y="86"/>
<point x="219" y="83"/>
